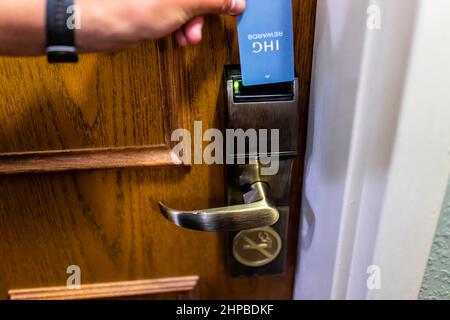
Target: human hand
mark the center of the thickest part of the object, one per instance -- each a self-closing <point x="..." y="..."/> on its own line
<point x="118" y="24"/>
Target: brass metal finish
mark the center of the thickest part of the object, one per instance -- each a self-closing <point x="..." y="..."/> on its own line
<point x="281" y="115"/>
<point x="257" y="247"/>
<point x="258" y="204"/>
<point x="258" y="210"/>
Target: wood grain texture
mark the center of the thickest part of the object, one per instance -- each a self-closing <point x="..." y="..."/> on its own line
<point x="65" y="108"/>
<point x="108" y="221"/>
<point x="110" y="290"/>
<point x="87" y="159"/>
<point x="105" y="101"/>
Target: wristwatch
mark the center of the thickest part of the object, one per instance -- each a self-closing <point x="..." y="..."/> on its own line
<point x="61" y="46"/>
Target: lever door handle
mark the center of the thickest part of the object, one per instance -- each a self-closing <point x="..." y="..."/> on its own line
<point x="257" y="211"/>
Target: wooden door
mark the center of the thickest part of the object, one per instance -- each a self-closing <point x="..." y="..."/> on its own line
<point x="85" y="158"/>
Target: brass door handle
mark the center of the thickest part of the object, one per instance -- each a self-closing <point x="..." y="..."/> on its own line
<point x="257" y="211"/>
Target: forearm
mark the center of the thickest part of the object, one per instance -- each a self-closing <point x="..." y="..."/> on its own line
<point x="22" y="27"/>
<point x="107" y="25"/>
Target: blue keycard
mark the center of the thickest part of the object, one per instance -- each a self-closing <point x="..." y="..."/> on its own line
<point x="266" y="42"/>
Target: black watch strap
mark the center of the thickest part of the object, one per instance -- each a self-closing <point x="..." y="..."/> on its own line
<point x="60" y="38"/>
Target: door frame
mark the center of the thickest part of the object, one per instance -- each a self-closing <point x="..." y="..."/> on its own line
<point x="378" y="155"/>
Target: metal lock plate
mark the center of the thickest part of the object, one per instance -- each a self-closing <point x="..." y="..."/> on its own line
<point x="261" y="251"/>
<point x="258" y="177"/>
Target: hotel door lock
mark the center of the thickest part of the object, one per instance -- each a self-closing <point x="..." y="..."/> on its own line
<point x="258" y="210"/>
<point x="258" y="199"/>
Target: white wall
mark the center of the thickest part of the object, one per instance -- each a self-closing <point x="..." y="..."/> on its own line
<point x="378" y="150"/>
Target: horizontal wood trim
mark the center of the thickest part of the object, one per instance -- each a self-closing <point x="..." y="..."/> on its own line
<point x="109" y="290"/>
<point x="87" y="159"/>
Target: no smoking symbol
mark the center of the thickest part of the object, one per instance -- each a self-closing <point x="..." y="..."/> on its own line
<point x="256" y="247"/>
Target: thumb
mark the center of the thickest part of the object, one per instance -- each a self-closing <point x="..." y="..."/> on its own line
<point x="231" y="7"/>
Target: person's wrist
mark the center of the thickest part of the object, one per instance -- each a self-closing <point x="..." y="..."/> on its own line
<point x="22" y="31"/>
<point x="103" y="26"/>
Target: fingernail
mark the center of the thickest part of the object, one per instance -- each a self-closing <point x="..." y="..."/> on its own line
<point x="236" y="7"/>
<point x="197" y="30"/>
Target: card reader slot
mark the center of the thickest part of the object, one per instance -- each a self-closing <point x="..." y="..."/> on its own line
<point x="283" y="91"/>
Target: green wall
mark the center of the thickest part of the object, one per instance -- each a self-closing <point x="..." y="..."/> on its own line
<point x="436" y="282"/>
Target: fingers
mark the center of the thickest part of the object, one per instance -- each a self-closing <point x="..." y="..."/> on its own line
<point x="191" y="33"/>
<point x="201" y="7"/>
<point x="235" y="7"/>
<point x="193" y="30"/>
<point x="181" y="38"/>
